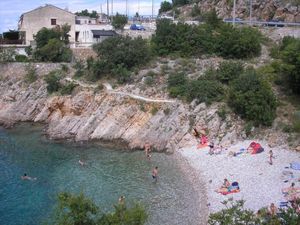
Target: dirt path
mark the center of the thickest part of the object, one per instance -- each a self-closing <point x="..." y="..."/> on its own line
<point x="110" y="90"/>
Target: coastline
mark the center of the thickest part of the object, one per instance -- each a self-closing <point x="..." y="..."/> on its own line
<point x="199" y="185"/>
<point x="260" y="183"/>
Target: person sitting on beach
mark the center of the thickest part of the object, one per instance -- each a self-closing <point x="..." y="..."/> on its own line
<point x="273" y="209"/>
<point x="271" y="157"/>
<point x="225" y="186"/>
<point x="211" y="148"/>
<point x="26" y="177"/>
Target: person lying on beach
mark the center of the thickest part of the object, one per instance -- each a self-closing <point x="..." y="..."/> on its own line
<point x="196" y="133"/>
<point x="26" y="177"/>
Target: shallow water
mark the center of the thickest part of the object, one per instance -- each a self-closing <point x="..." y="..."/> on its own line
<point x="109" y="173"/>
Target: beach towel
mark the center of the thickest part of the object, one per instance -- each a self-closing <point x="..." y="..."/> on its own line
<point x="230" y="192"/>
<point x="295" y="165"/>
<point x="202" y="146"/>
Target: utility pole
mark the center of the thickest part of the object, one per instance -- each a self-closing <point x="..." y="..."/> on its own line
<point x="127" y="8"/>
<point x="152" y="8"/>
<point x="112" y="7"/>
<point x="250" y="12"/>
<point x="234" y="6"/>
<point x="139" y="7"/>
<point x="107" y="7"/>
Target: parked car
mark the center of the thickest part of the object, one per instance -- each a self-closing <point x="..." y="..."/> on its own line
<point x="230" y="20"/>
<point x="275" y="23"/>
<point x="137" y="27"/>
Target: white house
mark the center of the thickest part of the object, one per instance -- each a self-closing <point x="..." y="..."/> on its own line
<point x="47" y="16"/>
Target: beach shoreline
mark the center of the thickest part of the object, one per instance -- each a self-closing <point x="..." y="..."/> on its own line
<point x="199" y="186"/>
<point x="260" y="183"/>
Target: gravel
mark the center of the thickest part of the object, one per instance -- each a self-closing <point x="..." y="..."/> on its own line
<point x="260" y="182"/>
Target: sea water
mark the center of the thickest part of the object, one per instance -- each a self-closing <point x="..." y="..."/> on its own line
<point x="108" y="174"/>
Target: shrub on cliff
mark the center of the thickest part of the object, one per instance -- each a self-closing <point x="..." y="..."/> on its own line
<point x="53" y="81"/>
<point x="290" y="69"/>
<point x="74" y="209"/>
<point x="229" y="71"/>
<point x="252" y="97"/>
<point x="31" y="75"/>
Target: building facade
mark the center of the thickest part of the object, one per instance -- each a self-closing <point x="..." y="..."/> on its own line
<point x="47" y="16"/>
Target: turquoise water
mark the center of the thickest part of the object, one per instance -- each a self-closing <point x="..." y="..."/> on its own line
<point x="109" y="173"/>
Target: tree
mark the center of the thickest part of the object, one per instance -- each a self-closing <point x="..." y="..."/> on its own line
<point x="85" y="12"/>
<point x="124" y="51"/>
<point x="52" y="44"/>
<point x="78" y="210"/>
<point x="119" y="21"/>
<point x="165" y="6"/>
<point x="11" y="35"/>
<point x="180" y="2"/>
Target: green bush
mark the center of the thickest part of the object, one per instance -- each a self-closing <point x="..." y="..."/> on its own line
<point x="296" y="122"/>
<point x="222" y="112"/>
<point x="234" y="213"/>
<point x="123" y="50"/>
<point x="213" y="37"/>
<point x="252" y="98"/>
<point x="206" y="91"/>
<point x="177" y="85"/>
<point x="68" y="88"/>
<point x="79" y="67"/>
<point x="53" y="81"/>
<point x="21" y="58"/>
<point x="31" y="75"/>
<point x="74" y="209"/>
<point x="52" y="44"/>
<point x="119" y="21"/>
<point x="164" y="7"/>
<point x="122" y="73"/>
<point x="7" y="54"/>
<point x="290" y="69"/>
<point x="229" y="71"/>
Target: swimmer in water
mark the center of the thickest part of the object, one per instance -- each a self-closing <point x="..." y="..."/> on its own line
<point x="155" y="174"/>
<point x="25" y="177"/>
<point x="81" y="162"/>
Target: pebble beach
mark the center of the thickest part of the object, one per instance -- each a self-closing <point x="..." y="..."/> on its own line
<point x="260" y="183"/>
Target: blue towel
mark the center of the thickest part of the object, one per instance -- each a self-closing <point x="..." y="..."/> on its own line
<point x="295" y="165"/>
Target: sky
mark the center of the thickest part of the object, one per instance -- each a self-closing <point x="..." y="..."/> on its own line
<point x="11" y="10"/>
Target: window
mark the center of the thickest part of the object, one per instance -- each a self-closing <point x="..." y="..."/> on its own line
<point x="53" y="21"/>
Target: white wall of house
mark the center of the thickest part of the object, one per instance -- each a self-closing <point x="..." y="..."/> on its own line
<point x="85" y="31"/>
<point x="32" y="21"/>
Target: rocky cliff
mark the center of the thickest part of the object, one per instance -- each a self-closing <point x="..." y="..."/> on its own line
<point x="289" y="11"/>
<point x="108" y="116"/>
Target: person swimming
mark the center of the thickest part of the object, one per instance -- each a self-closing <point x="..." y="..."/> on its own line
<point x="81" y="162"/>
<point x="155" y="173"/>
<point x="26" y="177"/>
